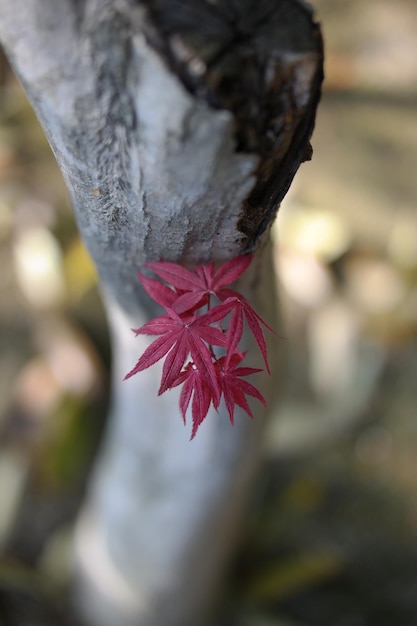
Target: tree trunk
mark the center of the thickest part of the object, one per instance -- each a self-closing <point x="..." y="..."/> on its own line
<point x="178" y="126"/>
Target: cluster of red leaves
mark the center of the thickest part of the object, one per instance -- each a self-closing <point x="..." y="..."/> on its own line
<point x="191" y="327"/>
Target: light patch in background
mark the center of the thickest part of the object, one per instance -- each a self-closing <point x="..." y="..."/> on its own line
<point x="36" y="390"/>
<point x="333" y="337"/>
<point x="402" y="244"/>
<point x="374" y="285"/>
<point x="70" y="357"/>
<point x="318" y="232"/>
<point x="38" y="266"/>
<point x="71" y="365"/>
<point x="306" y="279"/>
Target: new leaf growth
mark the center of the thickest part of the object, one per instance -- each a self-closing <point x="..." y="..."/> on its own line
<point x="192" y="326"/>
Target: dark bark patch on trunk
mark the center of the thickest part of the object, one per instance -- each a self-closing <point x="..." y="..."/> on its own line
<point x="263" y="61"/>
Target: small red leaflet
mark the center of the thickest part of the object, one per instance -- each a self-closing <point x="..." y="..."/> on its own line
<point x="192" y="326"/>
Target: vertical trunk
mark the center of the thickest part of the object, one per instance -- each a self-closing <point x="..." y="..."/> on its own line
<point x="178" y="126"/>
<point x="167" y="510"/>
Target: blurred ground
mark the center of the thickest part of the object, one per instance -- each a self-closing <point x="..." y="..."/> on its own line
<point x="332" y="537"/>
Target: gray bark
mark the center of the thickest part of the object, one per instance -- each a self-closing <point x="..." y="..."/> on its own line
<point x="178" y="126"/>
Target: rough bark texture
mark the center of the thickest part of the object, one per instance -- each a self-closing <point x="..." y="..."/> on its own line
<point x="178" y="126"/>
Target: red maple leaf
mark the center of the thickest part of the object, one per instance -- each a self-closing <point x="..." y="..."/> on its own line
<point x="195" y="389"/>
<point x="195" y="287"/>
<point x="241" y="308"/>
<point x="185" y="332"/>
<point x="180" y="337"/>
<point x="162" y="294"/>
<point x="233" y="388"/>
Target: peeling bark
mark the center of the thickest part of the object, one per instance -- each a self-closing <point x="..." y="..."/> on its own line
<point x="178" y="126"/>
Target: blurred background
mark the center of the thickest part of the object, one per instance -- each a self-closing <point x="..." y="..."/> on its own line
<point x="331" y="538"/>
